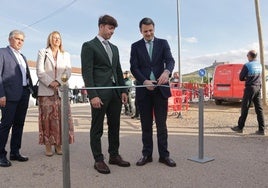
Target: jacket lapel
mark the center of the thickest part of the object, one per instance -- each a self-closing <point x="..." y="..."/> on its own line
<point x="12" y="55"/>
<point x="49" y="54"/>
<point x="103" y="50"/>
<point x="155" y="48"/>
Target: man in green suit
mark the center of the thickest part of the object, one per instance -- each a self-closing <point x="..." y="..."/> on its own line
<point x="101" y="67"/>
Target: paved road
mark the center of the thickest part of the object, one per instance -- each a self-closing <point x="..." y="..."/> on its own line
<point x="240" y="161"/>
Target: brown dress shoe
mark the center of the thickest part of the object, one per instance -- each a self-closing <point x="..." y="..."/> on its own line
<point x="143" y="160"/>
<point x="167" y="161"/>
<point x="101" y="167"/>
<point x="117" y="160"/>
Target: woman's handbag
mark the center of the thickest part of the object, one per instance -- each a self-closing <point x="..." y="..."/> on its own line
<point x="35" y="87"/>
<point x="35" y="90"/>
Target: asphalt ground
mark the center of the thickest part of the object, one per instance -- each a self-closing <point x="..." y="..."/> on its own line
<point x="239" y="161"/>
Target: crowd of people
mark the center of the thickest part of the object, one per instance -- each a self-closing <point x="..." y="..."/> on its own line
<point x="78" y="95"/>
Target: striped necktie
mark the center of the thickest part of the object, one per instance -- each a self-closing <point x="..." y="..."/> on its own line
<point x="108" y="50"/>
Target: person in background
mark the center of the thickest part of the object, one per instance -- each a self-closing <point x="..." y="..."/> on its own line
<point x="175" y="79"/>
<point x="251" y="74"/>
<point x="75" y="93"/>
<point x="52" y="62"/>
<point x="128" y="82"/>
<point x="84" y="95"/>
<point x="15" y="87"/>
<point x="151" y="63"/>
<point x="101" y="67"/>
<point x="137" y="112"/>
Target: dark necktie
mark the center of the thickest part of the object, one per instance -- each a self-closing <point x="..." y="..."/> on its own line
<point x="150" y="48"/>
<point x="150" y="51"/>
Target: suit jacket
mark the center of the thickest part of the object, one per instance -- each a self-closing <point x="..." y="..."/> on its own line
<point x="97" y="70"/>
<point x="141" y="64"/>
<point x="11" y="75"/>
<point x="46" y="72"/>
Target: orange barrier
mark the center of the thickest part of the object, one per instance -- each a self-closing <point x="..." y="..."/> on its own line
<point x="178" y="101"/>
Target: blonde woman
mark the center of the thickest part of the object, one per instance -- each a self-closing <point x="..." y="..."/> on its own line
<point x="52" y="62"/>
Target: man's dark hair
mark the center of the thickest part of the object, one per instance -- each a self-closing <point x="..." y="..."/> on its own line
<point x="252" y="53"/>
<point x="146" y="21"/>
<point x="107" y="20"/>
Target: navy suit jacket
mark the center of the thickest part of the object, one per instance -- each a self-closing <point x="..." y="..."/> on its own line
<point x="141" y="65"/>
<point x="11" y="76"/>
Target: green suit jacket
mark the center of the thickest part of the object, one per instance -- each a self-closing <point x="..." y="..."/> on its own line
<point x="98" y="71"/>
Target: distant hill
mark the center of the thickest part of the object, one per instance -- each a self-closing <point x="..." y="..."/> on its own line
<point x="194" y="77"/>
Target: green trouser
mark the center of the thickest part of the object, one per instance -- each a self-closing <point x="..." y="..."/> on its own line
<point x="111" y="107"/>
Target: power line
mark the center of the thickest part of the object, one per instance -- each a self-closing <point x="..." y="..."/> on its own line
<point x="51" y="14"/>
<point x="48" y="16"/>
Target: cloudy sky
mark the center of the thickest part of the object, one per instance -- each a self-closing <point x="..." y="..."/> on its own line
<point x="210" y="30"/>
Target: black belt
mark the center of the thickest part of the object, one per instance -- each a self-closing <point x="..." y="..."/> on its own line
<point x="25" y="87"/>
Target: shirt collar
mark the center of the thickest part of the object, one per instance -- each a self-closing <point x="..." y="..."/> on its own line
<point x="100" y="38"/>
<point x="146" y="41"/>
<point x="14" y="50"/>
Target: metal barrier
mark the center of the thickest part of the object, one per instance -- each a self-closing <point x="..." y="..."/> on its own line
<point x="201" y="158"/>
<point x="65" y="133"/>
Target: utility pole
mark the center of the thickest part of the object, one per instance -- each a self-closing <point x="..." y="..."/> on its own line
<point x="179" y="41"/>
<point x="261" y="52"/>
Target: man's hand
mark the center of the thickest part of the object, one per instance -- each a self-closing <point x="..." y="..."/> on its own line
<point x="2" y="101"/>
<point x="163" y="79"/>
<point x="96" y="102"/>
<point x="150" y="82"/>
<point x="124" y="98"/>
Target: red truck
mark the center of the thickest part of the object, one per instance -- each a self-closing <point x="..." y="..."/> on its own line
<point x="226" y="83"/>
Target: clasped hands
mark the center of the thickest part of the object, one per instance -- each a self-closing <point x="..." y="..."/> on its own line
<point x="54" y="85"/>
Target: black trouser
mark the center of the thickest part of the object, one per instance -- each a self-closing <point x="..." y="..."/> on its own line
<point x="151" y="105"/>
<point x="13" y="116"/>
<point x="251" y="94"/>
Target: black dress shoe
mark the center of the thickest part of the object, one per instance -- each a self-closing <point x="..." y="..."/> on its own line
<point x="117" y="160"/>
<point x="101" y="167"/>
<point x="4" y="162"/>
<point x="167" y="161"/>
<point x="18" y="157"/>
<point x="237" y="129"/>
<point x="145" y="159"/>
<point x="260" y="132"/>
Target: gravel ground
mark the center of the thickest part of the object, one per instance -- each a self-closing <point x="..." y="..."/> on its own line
<point x="239" y="160"/>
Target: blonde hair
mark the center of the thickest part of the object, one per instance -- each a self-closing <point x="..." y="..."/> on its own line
<point x="49" y="40"/>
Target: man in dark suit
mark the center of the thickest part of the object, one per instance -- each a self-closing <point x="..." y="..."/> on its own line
<point x="151" y="64"/>
<point x="101" y="67"/>
<point x="15" y="88"/>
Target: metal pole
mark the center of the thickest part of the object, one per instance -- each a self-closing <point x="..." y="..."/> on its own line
<point x="258" y="17"/>
<point x="65" y="133"/>
<point x="201" y="123"/>
<point x="200" y="158"/>
<point x="179" y="41"/>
